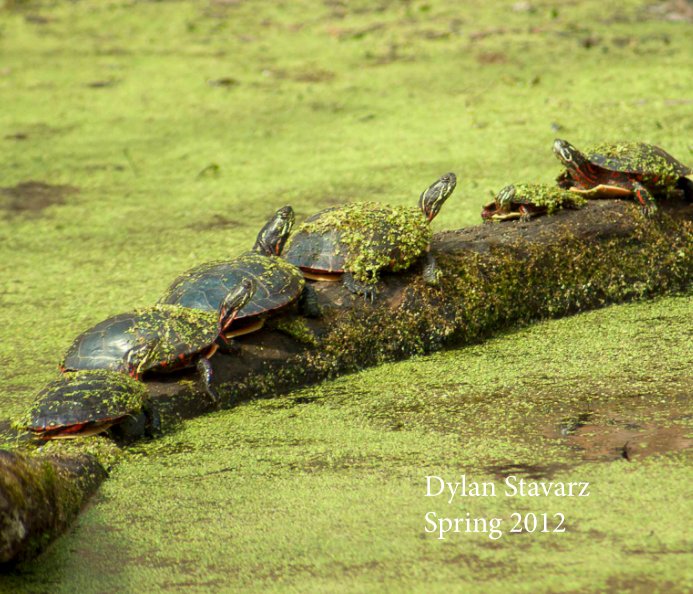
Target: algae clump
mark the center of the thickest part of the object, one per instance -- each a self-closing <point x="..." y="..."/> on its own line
<point x="549" y="197"/>
<point x="369" y="237"/>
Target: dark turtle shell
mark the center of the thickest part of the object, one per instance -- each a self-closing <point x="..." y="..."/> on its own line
<point x="84" y="400"/>
<point x="321" y="251"/>
<point x="165" y="337"/>
<point x="640" y="159"/>
<point x="361" y="238"/>
<point x="204" y="287"/>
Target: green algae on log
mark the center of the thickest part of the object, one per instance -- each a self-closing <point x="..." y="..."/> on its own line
<point x="494" y="277"/>
<point x="40" y="496"/>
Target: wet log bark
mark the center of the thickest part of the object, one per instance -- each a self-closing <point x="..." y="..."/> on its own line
<point x="40" y="496"/>
<point x="495" y="276"/>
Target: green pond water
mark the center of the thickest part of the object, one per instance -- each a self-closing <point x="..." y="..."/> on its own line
<point x="142" y="138"/>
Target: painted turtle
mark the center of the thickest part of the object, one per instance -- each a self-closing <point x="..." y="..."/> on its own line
<point x="623" y="169"/>
<point x="278" y="283"/>
<point x="355" y="242"/>
<point x="89" y="402"/>
<point x="525" y="201"/>
<point x="158" y="339"/>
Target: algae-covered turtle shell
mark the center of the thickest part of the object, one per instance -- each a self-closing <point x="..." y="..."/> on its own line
<point x="143" y="340"/>
<point x="361" y="239"/>
<point x="159" y="338"/>
<point x="526" y="201"/>
<point x="635" y="169"/>
<point x="278" y="283"/>
<point x="203" y="287"/>
<point x="85" y="403"/>
<point x="639" y="158"/>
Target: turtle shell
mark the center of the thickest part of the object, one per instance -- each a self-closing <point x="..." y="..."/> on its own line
<point x="168" y="336"/>
<point x="638" y="158"/>
<point x="361" y="238"/>
<point x="532" y="198"/>
<point x="277" y="283"/>
<point x="317" y="251"/>
<point x="549" y="197"/>
<point x="84" y="399"/>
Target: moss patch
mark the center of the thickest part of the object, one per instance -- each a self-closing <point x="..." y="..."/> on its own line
<point x="297" y="328"/>
<point x="40" y="495"/>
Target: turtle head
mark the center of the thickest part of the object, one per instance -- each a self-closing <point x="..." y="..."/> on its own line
<point x="433" y="198"/>
<point x="234" y="301"/>
<point x="139" y="357"/>
<point x="567" y="154"/>
<point x="272" y="237"/>
<point x="506" y="197"/>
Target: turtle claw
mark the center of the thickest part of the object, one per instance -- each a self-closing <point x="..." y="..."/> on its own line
<point x="647" y="203"/>
<point x="152" y="426"/>
<point x="367" y="290"/>
<point x="213" y="394"/>
<point x="431" y="273"/>
<point x="204" y="367"/>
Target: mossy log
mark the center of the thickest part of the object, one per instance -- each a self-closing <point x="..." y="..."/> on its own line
<point x="40" y="496"/>
<point x="495" y="276"/>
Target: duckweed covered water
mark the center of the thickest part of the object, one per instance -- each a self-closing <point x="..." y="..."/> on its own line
<point x="325" y="488"/>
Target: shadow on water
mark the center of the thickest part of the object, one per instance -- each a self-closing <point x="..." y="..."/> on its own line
<point x="606" y="433"/>
<point x="31" y="198"/>
<point x="613" y="430"/>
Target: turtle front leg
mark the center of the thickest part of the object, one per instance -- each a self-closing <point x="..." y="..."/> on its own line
<point x="565" y="181"/>
<point x="308" y="303"/>
<point x="146" y="423"/>
<point x="152" y="426"/>
<point x="646" y="200"/>
<point x="204" y="368"/>
<point x="227" y="346"/>
<point x="431" y="273"/>
<point x="368" y="290"/>
<point x="685" y="185"/>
